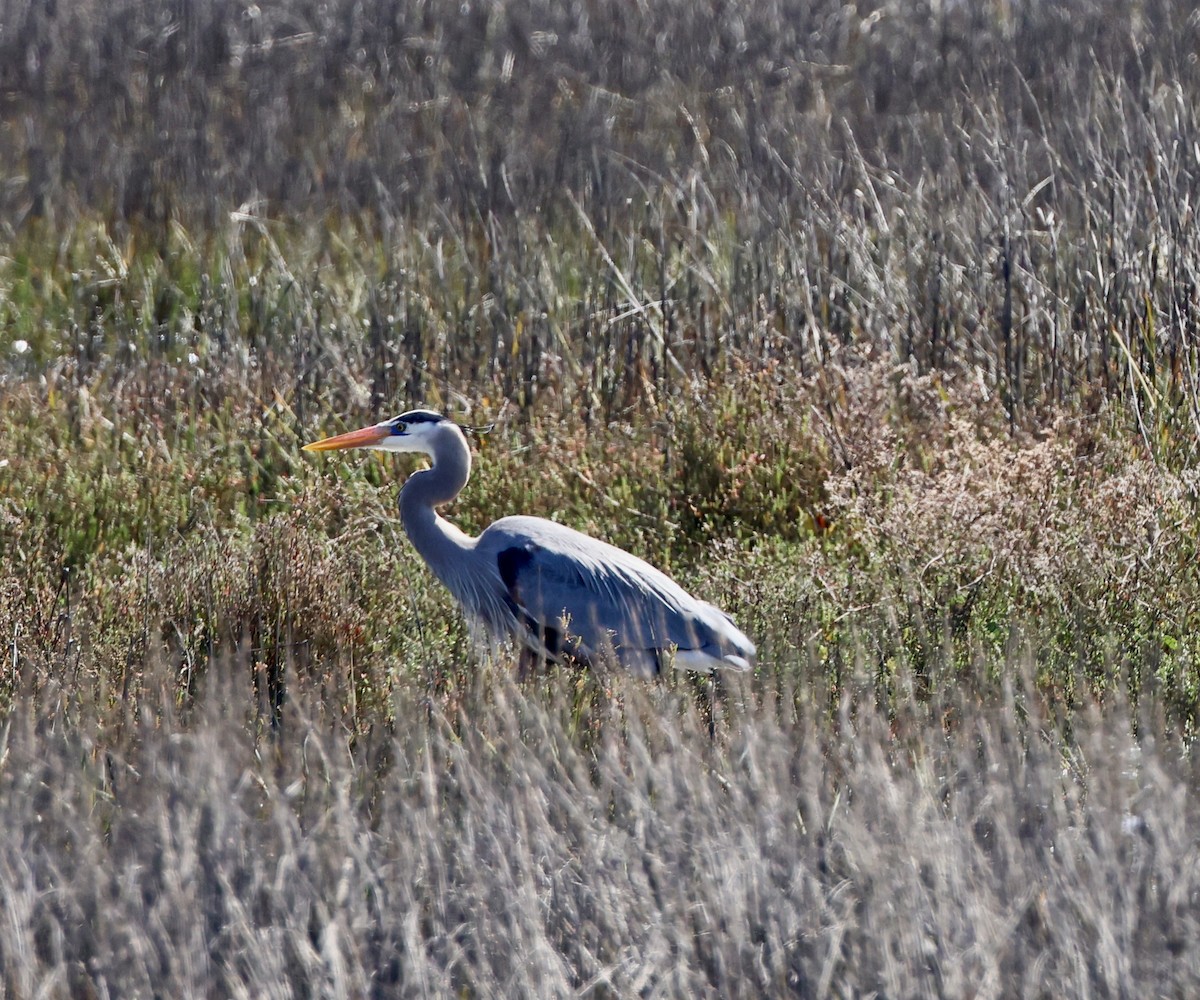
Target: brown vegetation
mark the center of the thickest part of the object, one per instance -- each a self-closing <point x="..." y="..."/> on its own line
<point x="874" y="323"/>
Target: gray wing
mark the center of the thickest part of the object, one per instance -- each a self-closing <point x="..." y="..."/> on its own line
<point x="586" y="597"/>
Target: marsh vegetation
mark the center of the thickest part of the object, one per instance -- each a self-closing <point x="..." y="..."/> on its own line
<point x="873" y="323"/>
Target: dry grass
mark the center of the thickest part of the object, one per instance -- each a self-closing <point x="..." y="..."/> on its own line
<point x="873" y="323"/>
<point x="524" y="200"/>
<point x="521" y="849"/>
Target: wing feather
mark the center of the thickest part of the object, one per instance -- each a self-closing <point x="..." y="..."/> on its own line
<point x="605" y="597"/>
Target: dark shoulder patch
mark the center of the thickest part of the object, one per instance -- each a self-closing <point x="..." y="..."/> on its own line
<point x="510" y="562"/>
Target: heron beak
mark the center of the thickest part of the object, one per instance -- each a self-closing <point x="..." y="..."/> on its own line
<point x="352" y="439"/>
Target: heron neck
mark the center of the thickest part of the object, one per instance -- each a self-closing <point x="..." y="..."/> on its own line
<point x="435" y="538"/>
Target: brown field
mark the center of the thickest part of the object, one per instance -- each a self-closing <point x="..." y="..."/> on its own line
<point x="873" y="323"/>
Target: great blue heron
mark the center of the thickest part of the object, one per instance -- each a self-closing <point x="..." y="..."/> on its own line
<point x="553" y="589"/>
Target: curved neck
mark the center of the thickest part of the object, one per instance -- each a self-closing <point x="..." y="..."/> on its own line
<point x="438" y="541"/>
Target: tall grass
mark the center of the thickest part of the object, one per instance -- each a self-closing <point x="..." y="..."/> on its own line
<point x="519" y="849"/>
<point x="623" y="191"/>
<point x="872" y="323"/>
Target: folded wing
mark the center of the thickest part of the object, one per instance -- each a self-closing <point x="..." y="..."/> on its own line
<point x="577" y="594"/>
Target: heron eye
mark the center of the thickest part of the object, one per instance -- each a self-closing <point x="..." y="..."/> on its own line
<point x="399" y="428"/>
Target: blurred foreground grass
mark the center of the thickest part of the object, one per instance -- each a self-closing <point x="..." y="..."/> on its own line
<point x="586" y="837"/>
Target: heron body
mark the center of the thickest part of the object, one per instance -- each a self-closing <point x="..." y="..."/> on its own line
<point x="556" y="591"/>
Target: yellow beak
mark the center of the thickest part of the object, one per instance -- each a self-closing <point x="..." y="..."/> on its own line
<point x="351" y="439"/>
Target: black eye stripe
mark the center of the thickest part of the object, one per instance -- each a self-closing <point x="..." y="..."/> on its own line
<point x="403" y="422"/>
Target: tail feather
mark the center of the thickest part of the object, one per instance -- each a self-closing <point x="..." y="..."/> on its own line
<point x="705" y="663"/>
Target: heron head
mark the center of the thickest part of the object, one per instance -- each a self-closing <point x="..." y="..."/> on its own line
<point x="416" y="430"/>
